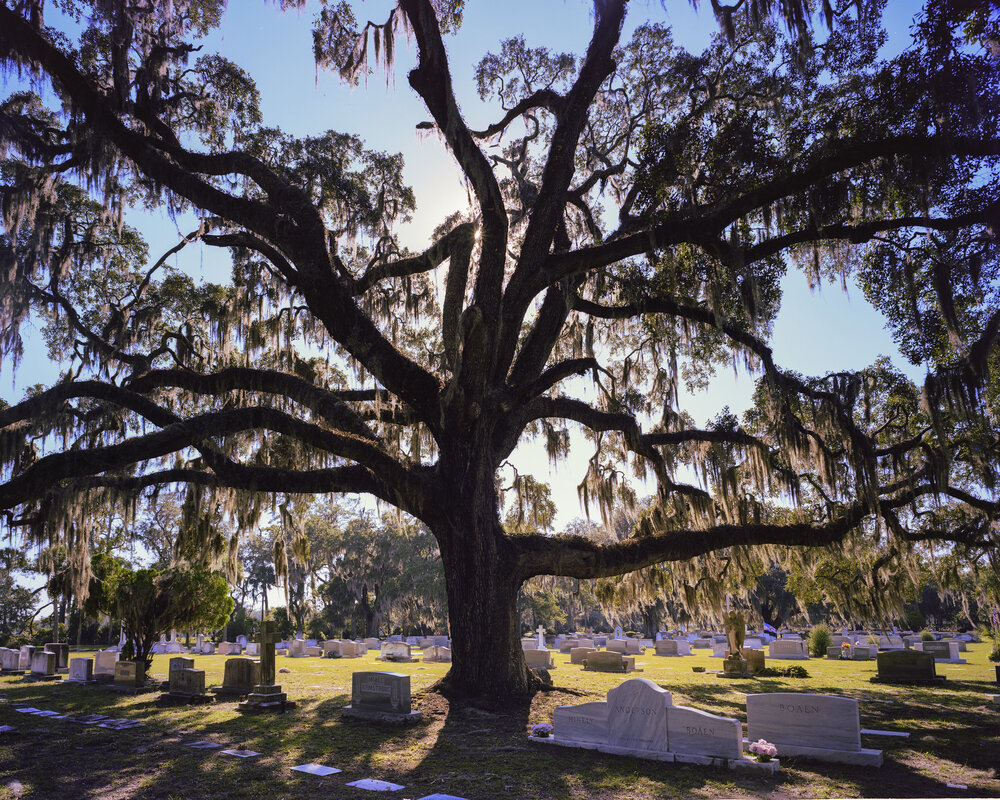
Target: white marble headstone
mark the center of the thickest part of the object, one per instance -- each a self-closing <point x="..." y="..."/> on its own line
<point x="637" y="715"/>
<point x="695" y="732"/>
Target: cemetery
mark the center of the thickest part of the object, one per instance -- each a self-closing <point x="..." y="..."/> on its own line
<point x="839" y="730"/>
<point x="487" y="438"/>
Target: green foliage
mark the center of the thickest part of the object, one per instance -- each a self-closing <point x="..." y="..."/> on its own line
<point x="819" y="640"/>
<point x="793" y="671"/>
<point x="16" y="602"/>
<point x="926" y="636"/>
<point x="151" y="602"/>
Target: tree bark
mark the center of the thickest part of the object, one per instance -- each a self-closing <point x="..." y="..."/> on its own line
<point x="482" y="579"/>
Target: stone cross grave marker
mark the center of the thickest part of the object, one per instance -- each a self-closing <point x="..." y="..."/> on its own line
<point x="541" y="637"/>
<point x="268" y="638"/>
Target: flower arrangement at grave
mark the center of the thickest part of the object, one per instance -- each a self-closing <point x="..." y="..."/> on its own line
<point x="845" y="650"/>
<point x="763" y="751"/>
<point x="541" y="730"/>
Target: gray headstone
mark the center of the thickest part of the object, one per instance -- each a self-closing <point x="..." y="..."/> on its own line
<point x="699" y="733"/>
<point x="807" y="720"/>
<point x="81" y="669"/>
<point x="585" y="723"/>
<point x="381" y="691"/>
<point x="637" y="718"/>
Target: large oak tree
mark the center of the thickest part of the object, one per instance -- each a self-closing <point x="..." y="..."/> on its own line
<point x="632" y="212"/>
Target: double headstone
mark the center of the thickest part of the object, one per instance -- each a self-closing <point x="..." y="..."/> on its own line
<point x="795" y="649"/>
<point x="944" y="652"/>
<point x="240" y="677"/>
<point x="396" y="651"/>
<point x="609" y="661"/>
<point x="381" y="696"/>
<point x="906" y="666"/>
<point x="539" y="659"/>
<point x="187" y="684"/>
<point x="437" y="652"/>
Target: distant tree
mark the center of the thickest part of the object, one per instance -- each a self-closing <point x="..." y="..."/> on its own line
<point x="632" y="213"/>
<point x="16" y="602"/>
<point x="151" y="602"/>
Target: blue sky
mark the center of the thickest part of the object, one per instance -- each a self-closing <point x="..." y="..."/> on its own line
<point x="275" y="48"/>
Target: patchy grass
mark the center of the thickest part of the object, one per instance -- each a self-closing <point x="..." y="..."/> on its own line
<point x="482" y="754"/>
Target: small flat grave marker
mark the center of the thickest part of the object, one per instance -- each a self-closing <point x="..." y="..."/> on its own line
<point x="241" y="753"/>
<point x="47" y="714"/>
<point x="7" y="728"/>
<point x="884" y="733"/>
<point x="316" y="769"/>
<point x="376" y="786"/>
<point x="203" y="745"/>
<point x="28" y="710"/>
<point x="440" y="797"/>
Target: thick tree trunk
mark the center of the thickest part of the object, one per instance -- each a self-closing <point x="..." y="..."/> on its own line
<point x="482" y="581"/>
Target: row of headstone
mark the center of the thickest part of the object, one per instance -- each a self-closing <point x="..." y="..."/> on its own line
<point x="638" y="718"/>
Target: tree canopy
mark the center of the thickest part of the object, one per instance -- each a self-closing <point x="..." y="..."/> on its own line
<point x="151" y="602"/>
<point x="632" y="210"/>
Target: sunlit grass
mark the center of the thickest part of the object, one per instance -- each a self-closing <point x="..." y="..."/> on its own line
<point x="479" y="753"/>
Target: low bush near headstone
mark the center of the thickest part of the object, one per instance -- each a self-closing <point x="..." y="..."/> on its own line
<point x="782" y="672"/>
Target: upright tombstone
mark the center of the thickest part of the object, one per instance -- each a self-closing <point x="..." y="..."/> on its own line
<point x="104" y="665"/>
<point x="43" y="666"/>
<point x="81" y="670"/>
<point x="438" y="653"/>
<point x="24" y="662"/>
<point x="907" y="667"/>
<point x="637" y="716"/>
<point x="539" y="659"/>
<point x="666" y="647"/>
<point x="186" y="685"/>
<point x="579" y="655"/>
<point x="296" y="648"/>
<point x="396" y="651"/>
<point x="754" y="659"/>
<point x="381" y="696"/>
<point x="61" y="649"/>
<point x="130" y="675"/>
<point x="609" y="661"/>
<point x="818" y="726"/>
<point x="943" y="652"/>
<point x="267" y="695"/>
<point x="785" y="648"/>
<point x="240" y="677"/>
<point x="10" y="660"/>
<point x="373" y="644"/>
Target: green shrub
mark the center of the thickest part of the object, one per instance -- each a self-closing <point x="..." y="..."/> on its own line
<point x="926" y="636"/>
<point x="819" y="640"/>
<point x="782" y="672"/>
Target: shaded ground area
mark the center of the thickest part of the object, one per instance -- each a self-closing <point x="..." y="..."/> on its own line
<point x="476" y="753"/>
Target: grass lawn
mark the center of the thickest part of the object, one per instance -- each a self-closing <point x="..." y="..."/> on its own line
<point x="483" y="754"/>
